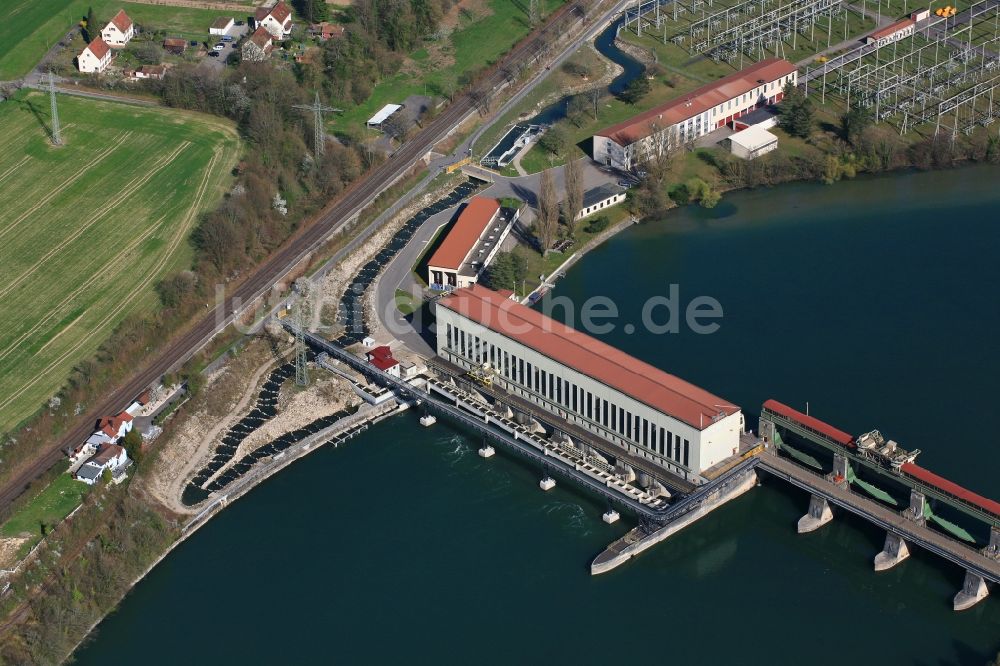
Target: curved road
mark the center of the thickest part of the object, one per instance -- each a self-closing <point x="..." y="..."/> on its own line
<point x="312" y="235"/>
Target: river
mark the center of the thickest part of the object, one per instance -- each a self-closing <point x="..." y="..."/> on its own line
<point x="873" y="300"/>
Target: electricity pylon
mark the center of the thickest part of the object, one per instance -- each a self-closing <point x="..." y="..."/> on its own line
<point x="317" y="108"/>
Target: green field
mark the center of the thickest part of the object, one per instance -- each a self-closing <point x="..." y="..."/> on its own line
<point x="473" y="44"/>
<point x="48" y="507"/>
<point x="87" y="228"/>
<point x="28" y="28"/>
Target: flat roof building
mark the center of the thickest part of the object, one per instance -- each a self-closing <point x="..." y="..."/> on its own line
<point x="383" y="115"/>
<point x="752" y="142"/>
<point x="648" y="412"/>
<point x="684" y="119"/>
<point x="470" y="244"/>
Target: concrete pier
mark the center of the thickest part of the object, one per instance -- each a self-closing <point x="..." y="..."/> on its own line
<point x="894" y="552"/>
<point x="993" y="550"/>
<point x="915" y="511"/>
<point x="973" y="591"/>
<point x="819" y="515"/>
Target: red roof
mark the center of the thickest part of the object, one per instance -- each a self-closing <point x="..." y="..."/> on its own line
<point x="698" y="101"/>
<point x="612" y="367"/>
<point x="122" y="21"/>
<point x="384" y="363"/>
<point x="280" y="12"/>
<point x="99" y="48"/>
<point x="892" y="29"/>
<point x="473" y="221"/>
<point x="107" y="452"/>
<point x="112" y="424"/>
<point x="382" y="351"/>
<point x="836" y="435"/>
<point x="932" y="479"/>
<point x="261" y="37"/>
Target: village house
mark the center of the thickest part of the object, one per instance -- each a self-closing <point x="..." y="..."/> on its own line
<point x="119" y="31"/>
<point x="115" y="426"/>
<point x="258" y="47"/>
<point x="276" y="20"/>
<point x="110" y="457"/>
<point x="326" y="30"/>
<point x="155" y="72"/>
<point x="95" y="58"/>
<point x="174" y="45"/>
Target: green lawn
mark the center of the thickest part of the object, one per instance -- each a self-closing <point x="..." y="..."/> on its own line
<point x="28" y="28"/>
<point x="48" y="507"/>
<point x="473" y="44"/>
<point x="86" y="229"/>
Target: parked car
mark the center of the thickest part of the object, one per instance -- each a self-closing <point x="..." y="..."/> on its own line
<point x="192" y="43"/>
<point x="625" y="183"/>
<point x="233" y="45"/>
<point x="219" y="47"/>
<point x="227" y="38"/>
<point x="239" y="23"/>
<point x="213" y="54"/>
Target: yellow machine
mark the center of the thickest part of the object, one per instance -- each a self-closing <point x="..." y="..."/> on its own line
<point x="483" y="375"/>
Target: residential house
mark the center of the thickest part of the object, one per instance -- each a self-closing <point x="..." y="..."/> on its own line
<point x="258" y="47"/>
<point x="115" y="426"/>
<point x="175" y="45"/>
<point x="110" y="456"/>
<point x="119" y="31"/>
<point x="95" y="58"/>
<point x="277" y="20"/>
<point x="156" y="72"/>
<point x="327" y="30"/>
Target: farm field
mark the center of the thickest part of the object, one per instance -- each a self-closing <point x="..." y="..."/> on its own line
<point x="86" y="229"/>
<point x="28" y="28"/>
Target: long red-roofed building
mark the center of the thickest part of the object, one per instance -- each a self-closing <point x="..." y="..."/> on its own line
<point x="694" y="114"/>
<point x="651" y="413"/>
<point x="470" y="244"/>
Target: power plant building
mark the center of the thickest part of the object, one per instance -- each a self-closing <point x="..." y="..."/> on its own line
<point x="648" y="412"/>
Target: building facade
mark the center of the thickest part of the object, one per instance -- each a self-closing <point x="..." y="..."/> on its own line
<point x="119" y="31"/>
<point x="892" y="33"/>
<point x="95" y="58"/>
<point x="669" y="126"/>
<point x="638" y="407"/>
<point x="599" y="199"/>
<point x="276" y="20"/>
<point x="257" y="48"/>
<point x="470" y="244"/>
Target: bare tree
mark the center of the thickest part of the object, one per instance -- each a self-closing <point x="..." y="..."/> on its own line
<point x="573" y="175"/>
<point x="595" y="96"/>
<point x="547" y="219"/>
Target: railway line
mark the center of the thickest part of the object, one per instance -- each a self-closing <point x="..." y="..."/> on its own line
<point x="311" y="236"/>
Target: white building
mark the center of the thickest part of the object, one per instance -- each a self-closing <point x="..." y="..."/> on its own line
<point x="599" y="199"/>
<point x="258" y="47"/>
<point x="110" y="456"/>
<point x="638" y="407"/>
<point x="684" y="119"/>
<point x="470" y="245"/>
<point x="383" y="115"/>
<point x="892" y="33"/>
<point x="381" y="358"/>
<point x="752" y="142"/>
<point x="95" y="58"/>
<point x="277" y="20"/>
<point x="119" y="31"/>
<point x="221" y="26"/>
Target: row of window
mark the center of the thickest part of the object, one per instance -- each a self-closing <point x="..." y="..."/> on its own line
<point x="569" y="396"/>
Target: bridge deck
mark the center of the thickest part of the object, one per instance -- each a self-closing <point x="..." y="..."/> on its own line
<point x="885" y="518"/>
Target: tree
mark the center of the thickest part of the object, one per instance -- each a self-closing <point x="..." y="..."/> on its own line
<point x="635" y="90"/>
<point x="149" y="53"/>
<point x="573" y="177"/>
<point x="507" y="271"/>
<point x="313" y="11"/>
<point x="598" y="224"/>
<point x="554" y="140"/>
<point x="796" y="112"/>
<point x="547" y="219"/>
<point x="91" y="30"/>
<point x="855" y="123"/>
<point x="132" y="441"/>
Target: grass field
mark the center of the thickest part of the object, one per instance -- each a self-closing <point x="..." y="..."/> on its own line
<point x="472" y="44"/>
<point x="28" y="28"/>
<point x="87" y="228"/>
<point x="48" y="507"/>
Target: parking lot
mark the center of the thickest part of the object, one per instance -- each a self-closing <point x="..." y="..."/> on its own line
<point x="235" y="34"/>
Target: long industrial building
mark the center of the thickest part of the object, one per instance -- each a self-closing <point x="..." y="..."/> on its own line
<point x="648" y="412"/>
<point x="695" y="114"/>
<point x="470" y="245"/>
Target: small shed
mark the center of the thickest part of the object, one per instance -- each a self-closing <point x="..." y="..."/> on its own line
<point x="175" y="45"/>
<point x="221" y="26"/>
<point x="383" y="115"/>
<point x="752" y="142"/>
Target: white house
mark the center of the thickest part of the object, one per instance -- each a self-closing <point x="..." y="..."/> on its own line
<point x="95" y="58"/>
<point x="684" y="119"/>
<point x="119" y="31"/>
<point x="110" y="456"/>
<point x="115" y="426"/>
<point x="276" y="20"/>
<point x="258" y="47"/>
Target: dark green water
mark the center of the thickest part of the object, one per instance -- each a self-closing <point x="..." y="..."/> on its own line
<point x="873" y="300"/>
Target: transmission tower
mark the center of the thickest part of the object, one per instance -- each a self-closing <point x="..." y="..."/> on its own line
<point x="317" y="108"/>
<point x="56" y="132"/>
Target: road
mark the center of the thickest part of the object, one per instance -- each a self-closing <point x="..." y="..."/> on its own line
<point x="311" y="236"/>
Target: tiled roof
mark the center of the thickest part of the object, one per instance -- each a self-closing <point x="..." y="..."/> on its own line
<point x="122" y="21"/>
<point x="99" y="48"/>
<point x="471" y="224"/>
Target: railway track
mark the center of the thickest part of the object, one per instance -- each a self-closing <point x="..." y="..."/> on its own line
<point x="311" y="236"/>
